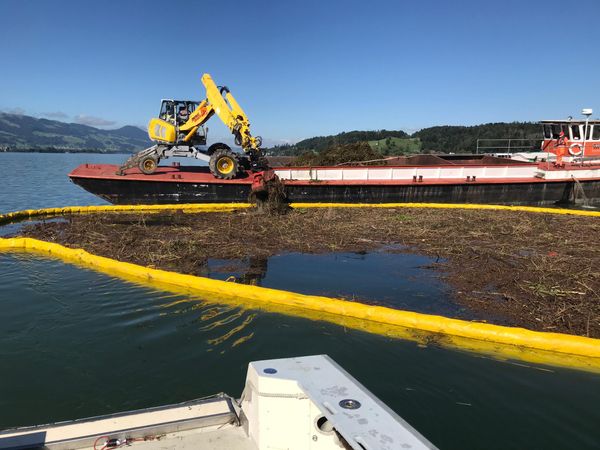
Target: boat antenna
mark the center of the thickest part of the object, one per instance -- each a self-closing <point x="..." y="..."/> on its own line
<point x="587" y="112"/>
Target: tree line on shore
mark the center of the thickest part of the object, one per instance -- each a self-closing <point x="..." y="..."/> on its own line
<point x="438" y="139"/>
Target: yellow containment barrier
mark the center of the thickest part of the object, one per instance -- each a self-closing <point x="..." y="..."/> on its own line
<point x="532" y="209"/>
<point x="225" y="207"/>
<point x="66" y="210"/>
<point x="499" y="341"/>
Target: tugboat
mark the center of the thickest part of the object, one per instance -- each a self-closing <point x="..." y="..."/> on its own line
<point x="575" y="139"/>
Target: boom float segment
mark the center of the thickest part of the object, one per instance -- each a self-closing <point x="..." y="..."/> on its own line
<point x="227" y="207"/>
<point x="533" y="209"/>
<point x="53" y="212"/>
<point x="500" y="341"/>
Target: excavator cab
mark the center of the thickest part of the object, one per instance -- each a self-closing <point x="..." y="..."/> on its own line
<point x="177" y="111"/>
<point x="172" y="116"/>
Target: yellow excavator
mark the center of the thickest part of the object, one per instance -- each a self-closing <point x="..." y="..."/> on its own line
<point x="179" y="131"/>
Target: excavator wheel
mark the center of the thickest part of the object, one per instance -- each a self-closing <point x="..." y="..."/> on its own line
<point x="224" y="164"/>
<point x="148" y="164"/>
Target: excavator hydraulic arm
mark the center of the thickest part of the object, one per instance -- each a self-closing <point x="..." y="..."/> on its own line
<point x="219" y="101"/>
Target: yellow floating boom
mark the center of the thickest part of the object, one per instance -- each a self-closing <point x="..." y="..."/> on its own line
<point x="500" y="341"/>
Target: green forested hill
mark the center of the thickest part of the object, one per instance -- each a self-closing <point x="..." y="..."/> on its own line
<point x="21" y="133"/>
<point x="439" y="139"/>
<point x="456" y="139"/>
<point x="397" y="146"/>
<point x="320" y="143"/>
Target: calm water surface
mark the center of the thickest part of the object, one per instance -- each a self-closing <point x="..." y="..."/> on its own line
<point x="76" y="343"/>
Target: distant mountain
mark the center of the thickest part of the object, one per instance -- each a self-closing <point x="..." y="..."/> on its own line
<point x="439" y="139"/>
<point x="23" y="133"/>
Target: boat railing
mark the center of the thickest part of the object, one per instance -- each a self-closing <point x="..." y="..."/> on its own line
<point x="507" y="145"/>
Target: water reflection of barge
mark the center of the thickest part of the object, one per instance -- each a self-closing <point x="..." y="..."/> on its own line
<point x="422" y="178"/>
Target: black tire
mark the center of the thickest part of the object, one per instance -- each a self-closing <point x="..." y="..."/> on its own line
<point x="217" y="146"/>
<point x="224" y="164"/>
<point x="148" y="165"/>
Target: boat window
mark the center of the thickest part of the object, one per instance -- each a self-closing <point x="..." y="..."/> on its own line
<point x="575" y="133"/>
<point x="596" y="132"/>
<point x="556" y="129"/>
<point x="548" y="131"/>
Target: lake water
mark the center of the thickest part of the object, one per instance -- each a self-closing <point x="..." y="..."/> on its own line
<point x="76" y="343"/>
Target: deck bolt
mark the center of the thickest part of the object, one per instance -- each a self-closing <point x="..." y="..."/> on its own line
<point x="349" y="403"/>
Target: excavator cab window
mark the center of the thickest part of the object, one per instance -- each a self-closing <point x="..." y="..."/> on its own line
<point x="183" y="113"/>
<point x="167" y="110"/>
<point x="184" y="109"/>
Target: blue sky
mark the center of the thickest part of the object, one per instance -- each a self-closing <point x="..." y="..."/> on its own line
<point x="303" y="68"/>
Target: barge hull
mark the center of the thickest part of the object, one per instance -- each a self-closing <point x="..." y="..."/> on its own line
<point x="514" y="193"/>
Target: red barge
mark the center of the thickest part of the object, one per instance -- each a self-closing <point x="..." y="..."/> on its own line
<point x="565" y="170"/>
<point x="424" y="178"/>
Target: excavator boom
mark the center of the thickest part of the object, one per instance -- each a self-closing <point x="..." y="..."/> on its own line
<point x="221" y="102"/>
